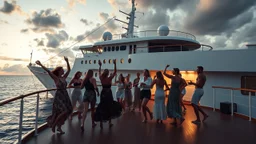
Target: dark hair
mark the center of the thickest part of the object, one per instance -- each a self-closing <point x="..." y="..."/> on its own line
<point x="159" y="75"/>
<point x="76" y="74"/>
<point x="122" y="79"/>
<point x="200" y="68"/>
<point x="147" y="72"/>
<point x="56" y="70"/>
<point x="105" y="73"/>
<point x="89" y="74"/>
<point x="177" y="71"/>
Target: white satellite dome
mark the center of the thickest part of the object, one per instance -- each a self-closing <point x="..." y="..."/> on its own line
<point x="163" y="30"/>
<point x="107" y="36"/>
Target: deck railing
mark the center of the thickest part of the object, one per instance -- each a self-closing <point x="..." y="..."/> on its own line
<point x="232" y="98"/>
<point x="21" y="98"/>
<point x="150" y="33"/>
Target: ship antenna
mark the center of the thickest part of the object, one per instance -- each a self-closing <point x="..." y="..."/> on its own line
<point x="131" y="17"/>
<point x="31" y="54"/>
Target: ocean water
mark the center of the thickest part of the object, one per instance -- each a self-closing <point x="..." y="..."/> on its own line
<point x="12" y="86"/>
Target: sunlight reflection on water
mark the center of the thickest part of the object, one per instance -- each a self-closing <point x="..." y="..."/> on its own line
<point x="12" y="86"/>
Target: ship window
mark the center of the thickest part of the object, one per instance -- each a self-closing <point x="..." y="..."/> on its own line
<point x="134" y="48"/>
<point x="105" y="49"/>
<point x="123" y="47"/>
<point x="113" y="48"/>
<point x="130" y="49"/>
<point x="109" y="48"/>
<point x="96" y="74"/>
<point x="85" y="62"/>
<point x="94" y="61"/>
<point x="104" y="61"/>
<point x="82" y="61"/>
<point x="117" y="48"/>
<point x="122" y="60"/>
<point x="129" y="60"/>
<point x="248" y="82"/>
<point x="110" y="61"/>
<point x="90" y="61"/>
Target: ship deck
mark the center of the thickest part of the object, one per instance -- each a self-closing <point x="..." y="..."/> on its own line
<point x="128" y="129"/>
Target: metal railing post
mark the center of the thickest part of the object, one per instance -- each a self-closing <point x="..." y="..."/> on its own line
<point x="37" y="109"/>
<point x="20" y="122"/>
<point x="213" y="99"/>
<point x="232" y="101"/>
<point x="250" y="106"/>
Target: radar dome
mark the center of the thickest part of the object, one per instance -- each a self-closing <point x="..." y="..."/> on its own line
<point x="163" y="30"/>
<point x="107" y="36"/>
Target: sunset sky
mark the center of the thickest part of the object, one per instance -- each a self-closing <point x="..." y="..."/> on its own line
<point x="47" y="27"/>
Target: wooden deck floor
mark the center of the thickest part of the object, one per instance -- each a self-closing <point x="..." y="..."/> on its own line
<point x="128" y="129"/>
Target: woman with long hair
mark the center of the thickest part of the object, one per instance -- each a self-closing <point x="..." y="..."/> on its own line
<point x="120" y="90"/>
<point x="136" y="94"/>
<point x="174" y="109"/>
<point x="128" y="93"/>
<point x="183" y="92"/>
<point x="108" y="108"/>
<point x="89" y="82"/>
<point x="145" y="94"/>
<point x="62" y="106"/>
<point x="76" y="95"/>
<point x="159" y="113"/>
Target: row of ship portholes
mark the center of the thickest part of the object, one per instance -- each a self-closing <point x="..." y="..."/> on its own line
<point x="110" y="61"/>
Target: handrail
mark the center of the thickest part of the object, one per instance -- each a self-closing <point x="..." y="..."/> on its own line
<point x="187" y="35"/>
<point x="3" y="102"/>
<point x="231" y="88"/>
<point x="232" y="98"/>
<point x="21" y="97"/>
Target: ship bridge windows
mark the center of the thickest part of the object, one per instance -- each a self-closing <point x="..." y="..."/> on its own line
<point x="117" y="48"/>
<point x="162" y="48"/>
<point x="123" y="48"/>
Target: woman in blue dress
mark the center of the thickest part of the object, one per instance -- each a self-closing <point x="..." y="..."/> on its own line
<point x="159" y="112"/>
<point x="174" y="109"/>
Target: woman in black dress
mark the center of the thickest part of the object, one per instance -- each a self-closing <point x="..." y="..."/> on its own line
<point x="108" y="108"/>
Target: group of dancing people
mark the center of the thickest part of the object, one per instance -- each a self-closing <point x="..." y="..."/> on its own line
<point x="108" y="108"/>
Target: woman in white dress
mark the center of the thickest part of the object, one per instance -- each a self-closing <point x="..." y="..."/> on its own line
<point x="120" y="90"/>
<point x="159" y="112"/>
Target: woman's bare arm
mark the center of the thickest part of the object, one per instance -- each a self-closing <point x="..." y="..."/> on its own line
<point x="167" y="75"/>
<point x="54" y="77"/>
<point x="68" y="66"/>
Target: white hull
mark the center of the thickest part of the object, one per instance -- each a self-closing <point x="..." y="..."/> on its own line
<point x="223" y="68"/>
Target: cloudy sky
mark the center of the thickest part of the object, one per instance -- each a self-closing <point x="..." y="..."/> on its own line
<point x="48" y="27"/>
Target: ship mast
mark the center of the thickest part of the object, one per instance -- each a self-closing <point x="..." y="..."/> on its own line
<point x="131" y="17"/>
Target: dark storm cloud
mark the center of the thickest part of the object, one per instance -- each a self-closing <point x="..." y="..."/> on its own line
<point x="216" y="17"/>
<point x="44" y="20"/>
<point x="152" y="20"/>
<point x="54" y="40"/>
<point x="86" y="22"/>
<point x="110" y="25"/>
<point x="40" y="42"/>
<point x="96" y="32"/>
<point x="24" y="30"/>
<point x="7" y="8"/>
<point x="159" y="4"/>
